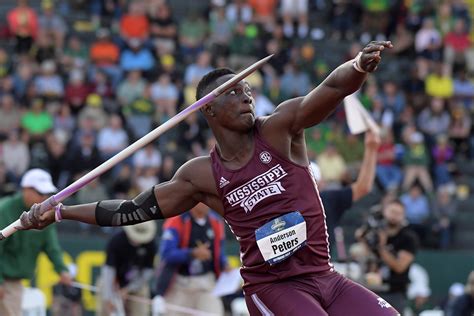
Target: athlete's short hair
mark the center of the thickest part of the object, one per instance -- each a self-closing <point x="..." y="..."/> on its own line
<point x="209" y="79"/>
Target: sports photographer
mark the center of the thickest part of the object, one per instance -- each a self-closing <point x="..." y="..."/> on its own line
<point x="394" y="245"/>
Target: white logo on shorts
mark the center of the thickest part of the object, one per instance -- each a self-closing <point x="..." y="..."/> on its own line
<point x="265" y="157"/>
<point x="383" y="303"/>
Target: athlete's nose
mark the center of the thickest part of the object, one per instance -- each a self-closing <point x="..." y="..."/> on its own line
<point x="247" y="99"/>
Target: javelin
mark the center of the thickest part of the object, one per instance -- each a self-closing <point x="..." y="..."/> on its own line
<point x="55" y="199"/>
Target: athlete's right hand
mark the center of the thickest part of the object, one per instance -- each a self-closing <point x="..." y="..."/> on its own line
<point x="35" y="218"/>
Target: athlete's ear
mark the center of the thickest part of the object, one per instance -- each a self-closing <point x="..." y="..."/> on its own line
<point x="209" y="110"/>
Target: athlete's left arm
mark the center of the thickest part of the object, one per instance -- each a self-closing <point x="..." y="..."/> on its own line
<point x="307" y="111"/>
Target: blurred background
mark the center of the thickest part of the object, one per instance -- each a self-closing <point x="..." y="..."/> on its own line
<point x="82" y="79"/>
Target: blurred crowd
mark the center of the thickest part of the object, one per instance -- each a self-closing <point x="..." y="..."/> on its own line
<point x="80" y="80"/>
<point x="75" y="92"/>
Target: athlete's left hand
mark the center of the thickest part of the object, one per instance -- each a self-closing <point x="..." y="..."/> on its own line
<point x="370" y="58"/>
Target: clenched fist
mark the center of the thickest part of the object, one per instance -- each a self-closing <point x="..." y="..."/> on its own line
<point x="35" y="218"/>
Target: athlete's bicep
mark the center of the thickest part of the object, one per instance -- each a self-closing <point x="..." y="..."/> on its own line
<point x="177" y="195"/>
<point x="192" y="183"/>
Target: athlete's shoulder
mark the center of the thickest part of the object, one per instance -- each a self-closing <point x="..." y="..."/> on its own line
<point x="196" y="165"/>
<point x="198" y="171"/>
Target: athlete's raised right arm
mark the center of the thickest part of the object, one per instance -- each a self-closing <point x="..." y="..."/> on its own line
<point x="191" y="184"/>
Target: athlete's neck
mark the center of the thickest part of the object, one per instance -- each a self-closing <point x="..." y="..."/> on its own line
<point x="235" y="148"/>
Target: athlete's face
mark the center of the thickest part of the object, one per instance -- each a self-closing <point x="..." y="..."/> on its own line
<point x="235" y="109"/>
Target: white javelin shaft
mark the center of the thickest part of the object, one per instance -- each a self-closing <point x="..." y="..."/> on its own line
<point x="87" y="178"/>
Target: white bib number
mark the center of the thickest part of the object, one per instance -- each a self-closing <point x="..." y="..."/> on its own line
<point x="281" y="237"/>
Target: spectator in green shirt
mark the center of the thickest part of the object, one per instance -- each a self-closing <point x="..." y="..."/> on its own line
<point x="18" y="253"/>
<point x="37" y="121"/>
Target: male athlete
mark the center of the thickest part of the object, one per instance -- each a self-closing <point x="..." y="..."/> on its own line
<point x="257" y="178"/>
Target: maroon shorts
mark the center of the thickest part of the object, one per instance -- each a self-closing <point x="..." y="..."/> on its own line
<point x="322" y="295"/>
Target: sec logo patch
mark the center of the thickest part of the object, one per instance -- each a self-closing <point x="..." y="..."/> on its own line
<point x="265" y="157"/>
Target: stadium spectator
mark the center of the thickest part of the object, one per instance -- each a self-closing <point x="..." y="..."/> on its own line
<point x="220" y="30"/>
<point x="131" y="88"/>
<point x="37" y="121"/>
<point x="239" y="11"/>
<point x="9" y="115"/>
<point x="163" y="28"/>
<point x="265" y="12"/>
<point x="127" y="271"/>
<point x="18" y="254"/>
<point x="295" y="10"/>
<point x="374" y="19"/>
<point x="139" y="115"/>
<point x="93" y="191"/>
<point x="101" y="86"/>
<point x="189" y="137"/>
<point x="15" y="155"/>
<point x="52" y="24"/>
<point x="457" y="45"/>
<point x="148" y="158"/>
<point x="112" y="138"/>
<point x="7" y="185"/>
<point x="392" y="97"/>
<point x="439" y="83"/>
<point x="195" y="71"/>
<point x="388" y="171"/>
<point x="77" y="91"/>
<point x="75" y="54"/>
<point x="444" y="210"/>
<point x="242" y="45"/>
<point x="463" y="89"/>
<point x="105" y="54"/>
<point x="294" y="82"/>
<point x="82" y="157"/>
<point x="417" y="210"/>
<point x="164" y="94"/>
<point x="21" y="79"/>
<point x="134" y="23"/>
<point x="193" y="255"/>
<point x="43" y="48"/>
<point x="23" y="24"/>
<point x="442" y="153"/>
<point x="49" y="84"/>
<point x="464" y="304"/>
<point x="428" y="41"/>
<point x="459" y="130"/>
<point x="191" y="35"/>
<point x="136" y="56"/>
<point x="333" y="167"/>
<point x="94" y="112"/>
<point x="434" y="121"/>
<point x="5" y="63"/>
<point x="416" y="162"/>
<point x="455" y="290"/>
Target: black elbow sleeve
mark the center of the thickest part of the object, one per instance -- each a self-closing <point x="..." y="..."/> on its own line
<point x="142" y="208"/>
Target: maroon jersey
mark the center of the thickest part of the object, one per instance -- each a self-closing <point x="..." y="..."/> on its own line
<point x="255" y="197"/>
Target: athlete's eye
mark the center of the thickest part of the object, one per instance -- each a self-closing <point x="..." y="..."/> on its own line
<point x="233" y="92"/>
